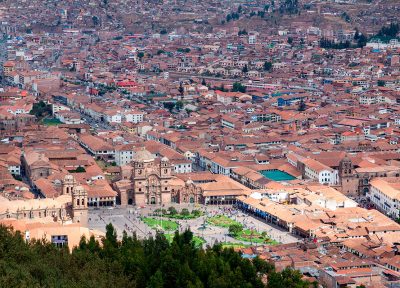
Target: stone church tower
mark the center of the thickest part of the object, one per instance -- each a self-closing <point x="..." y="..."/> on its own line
<point x="79" y="198"/>
<point x="347" y="178"/>
<point x="68" y="185"/>
<point x="79" y="205"/>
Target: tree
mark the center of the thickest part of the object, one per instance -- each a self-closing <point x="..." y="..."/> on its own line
<point x="40" y="109"/>
<point x="95" y="20"/>
<point x="185" y="212"/>
<point x="289" y="6"/>
<point x="288" y="278"/>
<point x="245" y="69"/>
<point x="111" y="235"/>
<point x="80" y="169"/>
<point x="381" y="83"/>
<point x="156" y="281"/>
<point x="235" y="229"/>
<point x="290" y="40"/>
<point x="345" y="17"/>
<point x="362" y="41"/>
<point x="238" y="87"/>
<point x="178" y="105"/>
<point x="172" y="211"/>
<point x="302" y="105"/>
<point x="356" y="35"/>
<point x="181" y="89"/>
<point x="153" y="262"/>
<point x="140" y="55"/>
<point x="262" y="266"/>
<point x="169" y="106"/>
<point x="267" y="66"/>
<point x="196" y="213"/>
<point x="389" y="32"/>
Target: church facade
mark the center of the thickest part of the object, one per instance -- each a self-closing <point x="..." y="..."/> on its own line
<point x="70" y="206"/>
<point x="149" y="180"/>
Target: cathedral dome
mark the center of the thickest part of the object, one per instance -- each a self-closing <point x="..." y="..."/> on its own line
<point x="143" y="155"/>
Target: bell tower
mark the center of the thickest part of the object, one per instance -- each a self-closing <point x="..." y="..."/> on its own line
<point x="345" y="168"/>
<point x="79" y="205"/>
<point x="138" y="170"/>
<point x="165" y="168"/>
<point x="68" y="185"/>
<point x="347" y="179"/>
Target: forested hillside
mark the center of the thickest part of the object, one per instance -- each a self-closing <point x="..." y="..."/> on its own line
<point x="131" y="262"/>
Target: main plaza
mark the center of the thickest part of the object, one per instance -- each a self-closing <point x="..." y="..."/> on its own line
<point x="210" y="224"/>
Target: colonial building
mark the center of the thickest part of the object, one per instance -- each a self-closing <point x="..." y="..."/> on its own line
<point x="70" y="206"/>
<point x="150" y="180"/>
<point x="355" y="180"/>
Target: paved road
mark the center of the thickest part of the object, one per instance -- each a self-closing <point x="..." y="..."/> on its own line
<point x="128" y="219"/>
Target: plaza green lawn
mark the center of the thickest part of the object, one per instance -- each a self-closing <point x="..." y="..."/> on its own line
<point x="165" y="225"/>
<point x="178" y="215"/>
<point x="198" y="241"/>
<point x="254" y="236"/>
<point x="234" y="245"/>
<point x="184" y="217"/>
<point x="221" y="221"/>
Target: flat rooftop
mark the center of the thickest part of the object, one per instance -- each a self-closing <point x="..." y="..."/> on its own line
<point x="277" y="175"/>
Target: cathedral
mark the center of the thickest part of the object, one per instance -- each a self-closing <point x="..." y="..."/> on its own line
<point x="149" y="180"/>
<point x="70" y="206"/>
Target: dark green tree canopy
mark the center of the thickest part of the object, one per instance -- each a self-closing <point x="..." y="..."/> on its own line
<point x="130" y="262"/>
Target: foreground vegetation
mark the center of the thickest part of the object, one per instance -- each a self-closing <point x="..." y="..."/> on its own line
<point x="197" y="241"/>
<point x="150" y="263"/>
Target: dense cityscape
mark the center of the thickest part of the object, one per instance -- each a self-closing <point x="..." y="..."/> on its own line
<point x="176" y="143"/>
